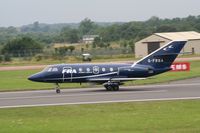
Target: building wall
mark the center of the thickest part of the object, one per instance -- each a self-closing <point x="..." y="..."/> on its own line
<point x="88" y="39"/>
<point x="192" y="44"/>
<point x="141" y="48"/>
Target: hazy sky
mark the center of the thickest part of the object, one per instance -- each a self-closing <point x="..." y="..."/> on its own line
<point x="20" y="12"/>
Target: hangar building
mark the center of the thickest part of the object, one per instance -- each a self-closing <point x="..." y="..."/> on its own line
<point x="155" y="41"/>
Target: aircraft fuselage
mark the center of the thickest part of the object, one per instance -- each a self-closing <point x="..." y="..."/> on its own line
<point x="86" y="72"/>
<point x="111" y="75"/>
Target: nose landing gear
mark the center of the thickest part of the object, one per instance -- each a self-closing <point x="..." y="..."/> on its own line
<point x="57" y="88"/>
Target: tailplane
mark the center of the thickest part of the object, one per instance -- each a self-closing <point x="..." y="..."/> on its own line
<point x="164" y="56"/>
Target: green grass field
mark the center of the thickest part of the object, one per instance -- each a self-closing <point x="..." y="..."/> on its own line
<point x="136" y="117"/>
<point x="17" y="80"/>
<point x="69" y="59"/>
<point x="77" y="59"/>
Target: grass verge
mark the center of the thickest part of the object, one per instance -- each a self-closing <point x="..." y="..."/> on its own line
<point x="68" y="59"/>
<point x="138" y="117"/>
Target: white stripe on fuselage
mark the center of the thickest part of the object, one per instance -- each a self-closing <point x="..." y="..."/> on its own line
<point x="91" y="76"/>
<point x="115" y="66"/>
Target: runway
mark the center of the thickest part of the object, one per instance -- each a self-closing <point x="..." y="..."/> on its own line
<point x="186" y="89"/>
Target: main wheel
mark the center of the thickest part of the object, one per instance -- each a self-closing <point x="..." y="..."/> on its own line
<point x="112" y="86"/>
<point x="109" y="88"/>
<point x="58" y="91"/>
<point x="116" y="87"/>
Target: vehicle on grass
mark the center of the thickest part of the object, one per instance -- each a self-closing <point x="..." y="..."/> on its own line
<point x="112" y="75"/>
<point x="87" y="57"/>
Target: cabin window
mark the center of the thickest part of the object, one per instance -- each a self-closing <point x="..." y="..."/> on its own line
<point x="103" y="69"/>
<point x="80" y="69"/>
<point x="88" y="69"/>
<point x="54" y="69"/>
<point x="49" y="69"/>
<point x="111" y="69"/>
<point x="46" y="69"/>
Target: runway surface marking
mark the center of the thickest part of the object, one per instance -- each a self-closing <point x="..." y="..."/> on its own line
<point x="72" y="95"/>
<point x="142" y="86"/>
<point x="186" y="89"/>
<point x="101" y="102"/>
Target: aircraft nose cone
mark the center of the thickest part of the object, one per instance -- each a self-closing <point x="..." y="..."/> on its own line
<point x="35" y="77"/>
<point x="31" y="78"/>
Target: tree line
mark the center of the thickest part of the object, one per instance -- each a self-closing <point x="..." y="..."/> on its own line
<point x="72" y="33"/>
<point x="37" y="35"/>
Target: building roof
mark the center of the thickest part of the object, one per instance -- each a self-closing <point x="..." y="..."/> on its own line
<point x="190" y="35"/>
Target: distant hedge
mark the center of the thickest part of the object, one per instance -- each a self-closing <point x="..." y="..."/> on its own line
<point x="24" y="46"/>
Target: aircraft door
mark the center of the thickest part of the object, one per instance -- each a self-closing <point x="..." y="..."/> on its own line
<point x="67" y="73"/>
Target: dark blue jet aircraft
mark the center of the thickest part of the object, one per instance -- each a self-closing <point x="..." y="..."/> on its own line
<point x="112" y="75"/>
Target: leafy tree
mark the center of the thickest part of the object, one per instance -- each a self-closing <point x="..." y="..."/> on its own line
<point x="63" y="50"/>
<point x="98" y="42"/>
<point x="197" y="27"/>
<point x="1" y="58"/>
<point x="73" y="36"/>
<point x="109" y="32"/>
<point x="36" y="26"/>
<point x="71" y="48"/>
<point x="7" y="58"/>
<point x="69" y="35"/>
<point x="131" y="44"/>
<point x="38" y="57"/>
<point x="87" y="46"/>
<point x="166" y="28"/>
<point x="86" y="26"/>
<point x="11" y="30"/>
<point x="82" y="50"/>
<point x="124" y="44"/>
<point x="22" y="46"/>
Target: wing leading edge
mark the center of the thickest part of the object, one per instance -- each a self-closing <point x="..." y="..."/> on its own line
<point x="113" y="79"/>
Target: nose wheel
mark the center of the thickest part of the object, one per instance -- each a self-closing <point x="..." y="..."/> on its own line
<point x="57" y="88"/>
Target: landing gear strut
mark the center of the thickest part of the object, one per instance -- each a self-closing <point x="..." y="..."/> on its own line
<point x="57" y="88"/>
<point x="111" y="86"/>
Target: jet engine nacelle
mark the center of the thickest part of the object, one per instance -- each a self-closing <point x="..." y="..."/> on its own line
<point x="138" y="71"/>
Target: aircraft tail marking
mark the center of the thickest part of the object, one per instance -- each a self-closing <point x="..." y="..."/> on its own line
<point x="164" y="56"/>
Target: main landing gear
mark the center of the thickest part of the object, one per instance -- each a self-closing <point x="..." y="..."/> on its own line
<point x="57" y="88"/>
<point x="111" y="86"/>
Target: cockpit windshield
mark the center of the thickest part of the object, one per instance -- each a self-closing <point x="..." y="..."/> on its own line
<point x="51" y="69"/>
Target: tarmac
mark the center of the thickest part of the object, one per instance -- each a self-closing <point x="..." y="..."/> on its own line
<point x="179" y="90"/>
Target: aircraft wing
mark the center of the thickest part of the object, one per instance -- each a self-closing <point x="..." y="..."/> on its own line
<point x="113" y="79"/>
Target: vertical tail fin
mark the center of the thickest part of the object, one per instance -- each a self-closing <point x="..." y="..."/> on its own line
<point x="164" y="56"/>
